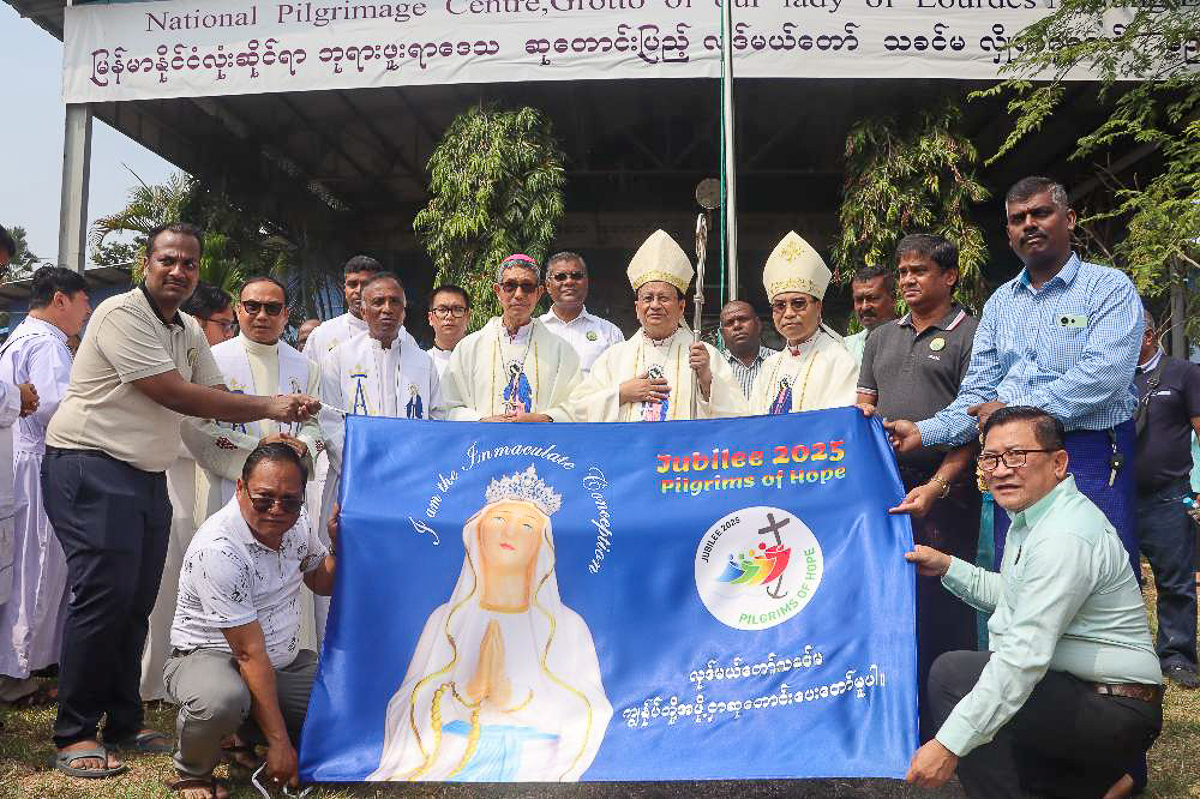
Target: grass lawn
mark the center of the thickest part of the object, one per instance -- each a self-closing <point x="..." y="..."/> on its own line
<point x="26" y="752"/>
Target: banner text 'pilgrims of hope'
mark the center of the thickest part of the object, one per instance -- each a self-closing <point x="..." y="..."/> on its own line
<point x="192" y="48"/>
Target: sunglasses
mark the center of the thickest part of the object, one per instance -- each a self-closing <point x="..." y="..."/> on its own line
<point x="286" y="504"/>
<point x="563" y="277"/>
<point x="252" y="307"/>
<point x="781" y="306"/>
<point x="511" y="286"/>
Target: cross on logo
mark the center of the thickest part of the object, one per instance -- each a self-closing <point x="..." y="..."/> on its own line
<point x="774" y="527"/>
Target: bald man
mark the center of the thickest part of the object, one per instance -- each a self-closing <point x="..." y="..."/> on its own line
<point x="742" y="331"/>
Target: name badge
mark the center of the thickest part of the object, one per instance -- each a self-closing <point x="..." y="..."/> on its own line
<point x="1072" y="320"/>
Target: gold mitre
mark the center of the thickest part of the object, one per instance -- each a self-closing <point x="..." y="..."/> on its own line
<point x="660" y="258"/>
<point x="795" y="266"/>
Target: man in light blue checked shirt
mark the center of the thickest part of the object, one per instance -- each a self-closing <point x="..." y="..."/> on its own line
<point x="1063" y="336"/>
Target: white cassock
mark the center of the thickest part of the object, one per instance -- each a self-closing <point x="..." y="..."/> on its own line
<point x="321" y="340"/>
<point x="361" y="377"/>
<point x="597" y="397"/>
<point x="819" y="373"/>
<point x="534" y="372"/>
<point x="331" y="333"/>
<point x="441" y="359"/>
<point x="221" y="448"/>
<point x="181" y="490"/>
<point x="31" y="621"/>
<point x="10" y="411"/>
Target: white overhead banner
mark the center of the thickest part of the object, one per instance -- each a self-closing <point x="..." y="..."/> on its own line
<point x="195" y="48"/>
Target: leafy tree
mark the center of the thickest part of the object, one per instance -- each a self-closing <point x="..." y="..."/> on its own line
<point x="24" y="263"/>
<point x="115" y="253"/>
<point x="1160" y="209"/>
<point x="918" y="178"/>
<point x="495" y="189"/>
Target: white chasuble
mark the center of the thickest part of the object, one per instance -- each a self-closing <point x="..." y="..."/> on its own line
<point x="491" y="372"/>
<point x="817" y="374"/>
<point x="597" y="398"/>
<point x="221" y="448"/>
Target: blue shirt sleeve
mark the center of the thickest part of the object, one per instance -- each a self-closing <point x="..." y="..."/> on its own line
<point x="953" y="425"/>
<point x="1106" y="366"/>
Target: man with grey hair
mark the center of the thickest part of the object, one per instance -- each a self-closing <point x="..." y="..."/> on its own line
<point x="568" y="317"/>
<point x="513" y="369"/>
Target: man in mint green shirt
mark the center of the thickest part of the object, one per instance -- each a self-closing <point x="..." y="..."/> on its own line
<point x="1070" y="695"/>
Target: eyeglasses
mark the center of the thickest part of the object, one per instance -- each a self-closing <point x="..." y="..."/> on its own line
<point x="449" y="311"/>
<point x="1012" y="459"/>
<point x="563" y="277"/>
<point x="252" y="307"/>
<point x="286" y="504"/>
<point x="798" y="305"/>
<point x="228" y="327"/>
<point x="511" y="286"/>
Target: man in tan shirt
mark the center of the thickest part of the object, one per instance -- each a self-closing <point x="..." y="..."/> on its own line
<point x="141" y="368"/>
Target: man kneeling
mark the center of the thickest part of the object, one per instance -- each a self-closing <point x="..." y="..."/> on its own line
<point x="1071" y="694"/>
<point x="237" y="624"/>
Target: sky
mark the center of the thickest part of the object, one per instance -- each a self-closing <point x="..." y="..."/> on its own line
<point x="31" y="140"/>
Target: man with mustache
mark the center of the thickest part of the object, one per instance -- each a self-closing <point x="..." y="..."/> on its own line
<point x="912" y="368"/>
<point x="1063" y="335"/>
<point x="567" y="283"/>
<point x="741" y="329"/>
<point x="513" y="369"/>
<point x="142" y="367"/>
<point x="874" y="293"/>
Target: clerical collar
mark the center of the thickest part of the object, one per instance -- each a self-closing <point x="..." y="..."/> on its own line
<point x="523" y="332"/>
<point x="1149" y="365"/>
<point x="174" y="320"/>
<point x="794" y="350"/>
<point x="661" y="342"/>
<point x="255" y="348"/>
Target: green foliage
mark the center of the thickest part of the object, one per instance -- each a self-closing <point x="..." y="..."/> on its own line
<point x="1158" y="211"/>
<point x="495" y="189"/>
<point x="24" y="263"/>
<point x="914" y="179"/>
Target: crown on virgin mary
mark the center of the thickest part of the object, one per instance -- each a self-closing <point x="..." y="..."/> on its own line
<point x="524" y="486"/>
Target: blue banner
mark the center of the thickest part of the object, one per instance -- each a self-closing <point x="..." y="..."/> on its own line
<point x="553" y="602"/>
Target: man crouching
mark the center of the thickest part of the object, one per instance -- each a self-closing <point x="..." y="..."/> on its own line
<point x="235" y="665"/>
<point x="1069" y="697"/>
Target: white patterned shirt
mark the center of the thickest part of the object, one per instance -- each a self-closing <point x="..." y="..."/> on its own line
<point x="229" y="579"/>
<point x="587" y="334"/>
<point x="745" y="374"/>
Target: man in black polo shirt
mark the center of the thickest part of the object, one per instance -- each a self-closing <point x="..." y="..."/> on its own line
<point x="911" y="369"/>
<point x="1168" y="411"/>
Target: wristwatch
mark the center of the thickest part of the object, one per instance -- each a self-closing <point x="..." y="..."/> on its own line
<point x="944" y="483"/>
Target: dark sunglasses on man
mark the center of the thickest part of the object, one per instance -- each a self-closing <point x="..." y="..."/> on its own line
<point x="563" y="277"/>
<point x="286" y="504"/>
<point x="252" y="307"/>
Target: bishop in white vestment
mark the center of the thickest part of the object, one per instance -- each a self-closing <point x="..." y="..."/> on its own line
<point x="513" y="368"/>
<point x="31" y="621"/>
<point x="661" y="373"/>
<point x="814" y="371"/>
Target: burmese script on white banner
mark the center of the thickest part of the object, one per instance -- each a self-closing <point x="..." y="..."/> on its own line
<point x="195" y="48"/>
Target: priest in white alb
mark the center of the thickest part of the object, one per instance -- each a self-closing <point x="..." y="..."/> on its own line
<point x="327" y="335"/>
<point x="512" y="369"/>
<point x="815" y="370"/>
<point x="31" y="621"/>
<point x="256" y="361"/>
<point x="661" y="373"/>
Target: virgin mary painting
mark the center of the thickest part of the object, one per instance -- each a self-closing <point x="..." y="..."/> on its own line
<point x="505" y="684"/>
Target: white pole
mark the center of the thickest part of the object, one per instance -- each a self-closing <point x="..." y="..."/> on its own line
<point x="73" y="210"/>
<point x="729" y="206"/>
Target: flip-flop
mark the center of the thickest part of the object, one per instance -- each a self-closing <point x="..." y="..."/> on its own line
<point x="142" y="742"/>
<point x="63" y="761"/>
<point x="211" y="784"/>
